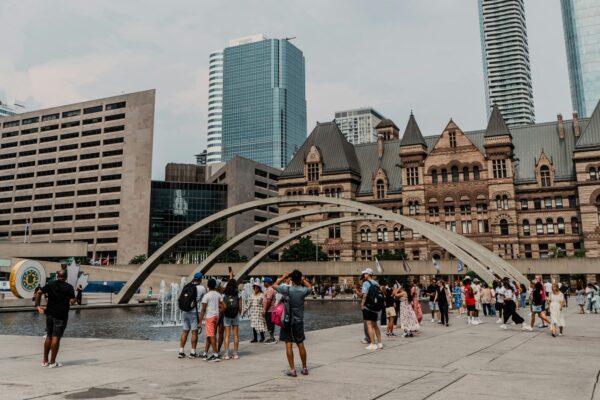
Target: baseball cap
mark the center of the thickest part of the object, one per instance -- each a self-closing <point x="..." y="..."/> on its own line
<point x="267" y="280"/>
<point x="198" y="276"/>
<point x="368" y="271"/>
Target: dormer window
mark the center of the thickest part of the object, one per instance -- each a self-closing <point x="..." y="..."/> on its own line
<point x="313" y="171"/>
<point x="545" y="176"/>
<point x="380" y="187"/>
<point x="452" y="138"/>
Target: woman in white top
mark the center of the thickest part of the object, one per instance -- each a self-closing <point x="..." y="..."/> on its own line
<point x="557" y="303"/>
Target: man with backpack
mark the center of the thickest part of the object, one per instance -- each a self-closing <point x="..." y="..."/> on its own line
<point x="373" y="301"/>
<point x="190" y="296"/>
<point x="269" y="304"/>
<point x="292" y="328"/>
<point x="212" y="305"/>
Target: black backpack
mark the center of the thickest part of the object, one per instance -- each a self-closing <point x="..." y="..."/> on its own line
<point x="232" y="306"/>
<point x="188" y="298"/>
<point x="375" y="298"/>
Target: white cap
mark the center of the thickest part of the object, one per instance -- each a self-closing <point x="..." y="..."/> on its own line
<point x="367" y="271"/>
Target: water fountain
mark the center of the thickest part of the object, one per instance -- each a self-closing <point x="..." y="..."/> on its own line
<point x="168" y="307"/>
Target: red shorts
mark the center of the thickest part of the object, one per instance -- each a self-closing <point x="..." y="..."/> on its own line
<point x="211" y="326"/>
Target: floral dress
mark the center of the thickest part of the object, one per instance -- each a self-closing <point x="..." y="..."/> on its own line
<point x="457" y="297"/>
<point x="416" y="305"/>
<point x="408" y="319"/>
<point x="254" y="309"/>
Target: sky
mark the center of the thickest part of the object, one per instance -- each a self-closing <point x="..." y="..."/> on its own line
<point x="393" y="55"/>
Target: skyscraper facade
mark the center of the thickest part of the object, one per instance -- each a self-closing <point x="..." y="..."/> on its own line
<point x="264" y="103"/>
<point x="581" y="21"/>
<point x="506" y="60"/>
<point x="6" y="110"/>
<point x="215" y="107"/>
<point x="358" y="126"/>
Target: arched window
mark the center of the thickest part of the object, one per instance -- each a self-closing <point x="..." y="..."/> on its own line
<point x="382" y="234"/>
<point x="593" y="175"/>
<point x="417" y="208"/>
<point x="396" y="233"/>
<point x="444" y="175"/>
<point x="454" y="171"/>
<point x="574" y="226"/>
<point x="560" y="223"/>
<point x="411" y="208"/>
<point x="365" y="235"/>
<point x="476" y="175"/>
<point x="498" y="202"/>
<point x="503" y="227"/>
<point x="550" y="226"/>
<point x="526" y="228"/>
<point x="380" y="189"/>
<point x="466" y="174"/>
<point x="505" y="202"/>
<point x="539" y="227"/>
<point x="434" y="177"/>
<point x="545" y="175"/>
<point x="326" y="192"/>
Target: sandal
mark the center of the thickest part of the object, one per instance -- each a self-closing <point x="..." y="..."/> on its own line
<point x="292" y="373"/>
<point x="304" y="371"/>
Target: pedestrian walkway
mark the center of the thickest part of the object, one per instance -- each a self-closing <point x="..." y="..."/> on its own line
<point x="479" y="362"/>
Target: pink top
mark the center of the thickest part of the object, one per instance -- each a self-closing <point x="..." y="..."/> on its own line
<point x="269" y="299"/>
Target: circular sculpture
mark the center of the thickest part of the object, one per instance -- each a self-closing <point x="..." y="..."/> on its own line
<point x="25" y="276"/>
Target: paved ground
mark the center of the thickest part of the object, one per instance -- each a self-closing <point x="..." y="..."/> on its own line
<point x="479" y="362"/>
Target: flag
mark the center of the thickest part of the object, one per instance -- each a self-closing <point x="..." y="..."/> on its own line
<point x="378" y="266"/>
<point x="460" y="266"/>
<point x="405" y="265"/>
<point x="436" y="264"/>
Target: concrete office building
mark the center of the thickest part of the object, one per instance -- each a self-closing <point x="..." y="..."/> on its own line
<point x="215" y="107"/>
<point x="80" y="173"/>
<point x="581" y="21"/>
<point x="358" y="125"/>
<point x="6" y="110"/>
<point x="264" y="103"/>
<point x="506" y="60"/>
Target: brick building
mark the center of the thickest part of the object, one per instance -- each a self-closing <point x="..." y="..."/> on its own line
<point x="524" y="192"/>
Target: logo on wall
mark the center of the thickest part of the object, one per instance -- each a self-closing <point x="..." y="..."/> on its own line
<point x="25" y="276"/>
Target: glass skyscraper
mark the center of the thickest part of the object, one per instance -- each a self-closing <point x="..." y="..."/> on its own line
<point x="506" y="60"/>
<point x="581" y="21"/>
<point x="264" y="103"/>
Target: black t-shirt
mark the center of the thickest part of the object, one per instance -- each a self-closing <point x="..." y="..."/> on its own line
<point x="389" y="299"/>
<point x="59" y="294"/>
<point x="432" y="290"/>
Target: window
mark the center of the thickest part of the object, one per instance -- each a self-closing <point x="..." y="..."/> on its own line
<point x="63" y="206"/>
<point x="548" y="203"/>
<point x="465" y="174"/>
<point x="72" y="113"/>
<point x="524" y="204"/>
<point x="27" y="142"/>
<point x="68" y="147"/>
<point x="503" y="227"/>
<point x="434" y="212"/>
<point x="527" y="249"/>
<point x="65" y="194"/>
<point x="48" y="139"/>
<point x="334" y="231"/>
<point x="382" y="234"/>
<point x="412" y="175"/>
<point x="88" y="144"/>
<point x="113" y="140"/>
<point x="28" y="121"/>
<point x="365" y="235"/>
<point x="380" y="189"/>
<point x="414" y="208"/>
<point x="112" y="189"/>
<point x="558" y="202"/>
<point x="396" y="233"/>
<point x="91" y="132"/>
<point x="111" y="202"/>
<point x="593" y="175"/>
<point x="454" y="171"/>
<point x="452" y="139"/>
<point x="49" y="128"/>
<point x="545" y="176"/>
<point x="476" y="175"/>
<point x="572" y="202"/>
<point x="333" y="255"/>
<point x="10" y="134"/>
<point x="560" y="223"/>
<point x="526" y="228"/>
<point x="539" y="227"/>
<point x="434" y="176"/>
<point x="10" y="124"/>
<point x="91" y="110"/>
<point x="69" y="124"/>
<point x="114" y="117"/>
<point x="50" y="117"/>
<point x="451" y="226"/>
<point x="84" y="216"/>
<point x="67" y="170"/>
<point x="111" y="177"/>
<point x="92" y="167"/>
<point x="499" y="168"/>
<point x="88" y="179"/>
<point x="574" y="226"/>
<point x="313" y="171"/>
<point x="114" y="128"/>
<point x="543" y="250"/>
<point x="537" y="204"/>
<point x="115" y="106"/>
<point x="449" y="210"/>
<point x="466" y="227"/>
<point x="444" y="176"/>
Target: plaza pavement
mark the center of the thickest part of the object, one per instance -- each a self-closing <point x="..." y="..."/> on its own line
<point x="478" y="362"/>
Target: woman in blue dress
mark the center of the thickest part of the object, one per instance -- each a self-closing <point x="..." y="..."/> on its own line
<point x="457" y="297"/>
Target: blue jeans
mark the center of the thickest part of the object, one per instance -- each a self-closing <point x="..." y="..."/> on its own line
<point x="523" y="300"/>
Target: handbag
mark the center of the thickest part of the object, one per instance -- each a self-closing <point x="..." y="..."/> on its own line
<point x="536" y="309"/>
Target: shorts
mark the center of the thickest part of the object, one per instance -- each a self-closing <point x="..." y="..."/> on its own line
<point x="390" y="312"/>
<point x="231" y="321"/>
<point x="55" y="327"/>
<point x="369" y="315"/>
<point x="433" y="306"/>
<point x="294" y="333"/>
<point x="471" y="307"/>
<point x="189" y="320"/>
<point x="211" y="326"/>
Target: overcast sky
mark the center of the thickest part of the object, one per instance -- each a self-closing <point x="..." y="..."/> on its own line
<point x="396" y="56"/>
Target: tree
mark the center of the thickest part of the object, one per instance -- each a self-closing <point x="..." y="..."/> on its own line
<point x="398" y="254"/>
<point x="139" y="259"/>
<point x="303" y="250"/>
<point x="229" y="256"/>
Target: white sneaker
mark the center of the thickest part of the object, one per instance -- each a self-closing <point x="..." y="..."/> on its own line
<point x="527" y="328"/>
<point x="469" y="321"/>
<point x="433" y="320"/>
<point x="499" y="321"/>
<point x="380" y="346"/>
<point x="503" y="326"/>
<point x="55" y="365"/>
<point x="364" y="341"/>
<point x="475" y="322"/>
<point x="512" y="323"/>
<point x="372" y="346"/>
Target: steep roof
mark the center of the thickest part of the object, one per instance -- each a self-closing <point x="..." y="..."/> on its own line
<point x="386" y="123"/>
<point x="337" y="153"/>
<point x="412" y="133"/>
<point x="369" y="161"/>
<point x="590" y="136"/>
<point x="496" y="125"/>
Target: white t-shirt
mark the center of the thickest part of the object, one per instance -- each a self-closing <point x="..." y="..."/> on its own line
<point x="212" y="300"/>
<point x="548" y="287"/>
<point x="200" y="292"/>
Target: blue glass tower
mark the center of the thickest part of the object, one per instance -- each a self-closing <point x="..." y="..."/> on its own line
<point x="264" y="103"/>
<point x="581" y="21"/>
